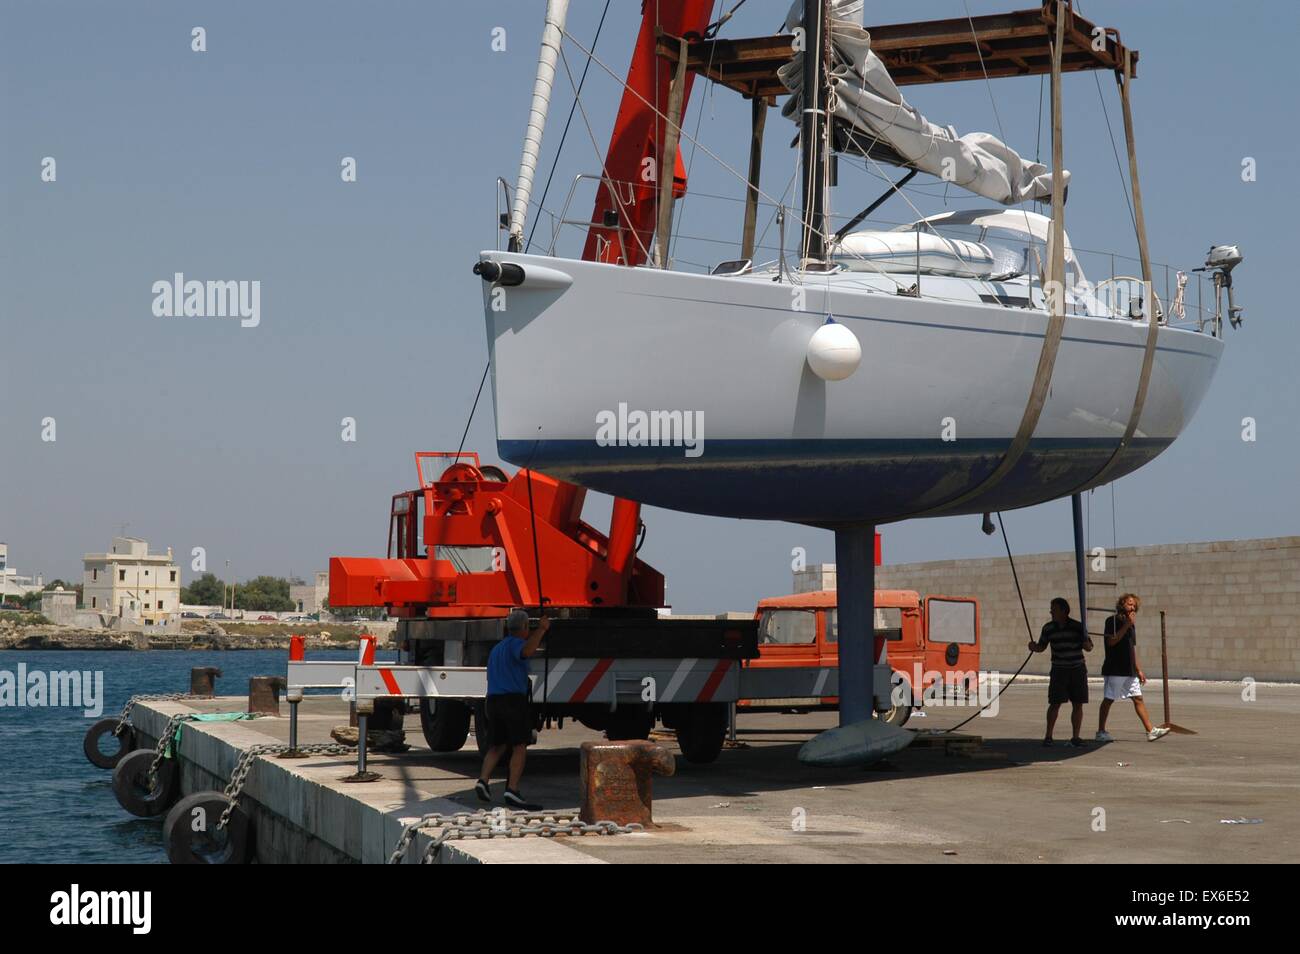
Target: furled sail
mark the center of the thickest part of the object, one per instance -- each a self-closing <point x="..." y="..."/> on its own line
<point x="872" y="118"/>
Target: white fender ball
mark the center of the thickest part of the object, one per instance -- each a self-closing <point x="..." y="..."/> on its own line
<point x="834" y="352"/>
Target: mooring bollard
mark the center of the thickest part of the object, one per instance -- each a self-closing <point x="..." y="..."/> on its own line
<point x="365" y="708"/>
<point x="202" y="680"/>
<point x="616" y="780"/>
<point x="264" y="694"/>
<point x="294" y="697"/>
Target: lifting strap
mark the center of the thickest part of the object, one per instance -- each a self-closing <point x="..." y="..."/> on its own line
<point x="1153" y="322"/>
<point x="1056" y="303"/>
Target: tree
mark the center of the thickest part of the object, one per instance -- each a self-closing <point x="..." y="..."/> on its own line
<point x="207" y="590"/>
<point x="266" y="593"/>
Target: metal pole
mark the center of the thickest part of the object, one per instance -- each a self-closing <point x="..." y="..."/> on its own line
<point x="1164" y="664"/>
<point x="1164" y="679"/>
<point x="813" y="131"/>
<point x="855" y="601"/>
<point x="1076" y="506"/>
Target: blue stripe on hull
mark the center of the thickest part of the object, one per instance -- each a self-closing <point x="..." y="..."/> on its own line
<point x="826" y="482"/>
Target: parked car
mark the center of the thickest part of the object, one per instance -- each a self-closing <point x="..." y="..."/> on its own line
<point x="299" y="619"/>
<point x="189" y="615"/>
<point x="218" y="616"/>
<point x="267" y="618"/>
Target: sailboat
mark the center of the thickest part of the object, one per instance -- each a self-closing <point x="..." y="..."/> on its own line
<point x="961" y="363"/>
<point x="881" y="375"/>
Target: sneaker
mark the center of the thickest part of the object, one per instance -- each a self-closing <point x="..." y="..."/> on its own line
<point x="1159" y="732"/>
<point x="516" y="801"/>
<point x="1048" y="743"/>
<point x="1077" y="742"/>
<point x="1105" y="737"/>
<point x="483" y="790"/>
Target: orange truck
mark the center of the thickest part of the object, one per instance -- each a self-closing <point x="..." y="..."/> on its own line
<point x="931" y="643"/>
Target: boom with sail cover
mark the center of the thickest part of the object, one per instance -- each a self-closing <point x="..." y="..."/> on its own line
<point x="872" y="118"/>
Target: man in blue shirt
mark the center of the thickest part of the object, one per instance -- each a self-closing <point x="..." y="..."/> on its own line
<point x="509" y="712"/>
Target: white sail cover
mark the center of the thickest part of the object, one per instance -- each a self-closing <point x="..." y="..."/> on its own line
<point x="866" y="99"/>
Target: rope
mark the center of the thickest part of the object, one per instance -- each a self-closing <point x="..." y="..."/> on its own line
<point x="472" y="409"/>
<point x="1028" y="629"/>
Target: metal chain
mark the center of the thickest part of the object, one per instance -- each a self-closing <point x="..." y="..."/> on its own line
<point x="485" y="823"/>
<point x="245" y="764"/>
<point x="164" y="742"/>
<point x="124" y="718"/>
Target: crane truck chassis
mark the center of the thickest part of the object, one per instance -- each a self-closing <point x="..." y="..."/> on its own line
<point x="472" y="543"/>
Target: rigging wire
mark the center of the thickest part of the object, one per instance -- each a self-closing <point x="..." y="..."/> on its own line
<point x="658" y="112"/>
<point x="604" y="168"/>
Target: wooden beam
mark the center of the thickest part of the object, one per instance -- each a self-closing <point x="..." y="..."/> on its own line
<point x="757" y="123"/>
<point x="668" y="158"/>
<point x="935" y="51"/>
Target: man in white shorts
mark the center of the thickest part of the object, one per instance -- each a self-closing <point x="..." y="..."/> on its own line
<point x="1120" y="672"/>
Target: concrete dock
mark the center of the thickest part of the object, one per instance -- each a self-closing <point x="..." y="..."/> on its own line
<point x="1011" y="800"/>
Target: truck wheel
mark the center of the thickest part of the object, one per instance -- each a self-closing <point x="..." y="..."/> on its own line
<point x="445" y="724"/>
<point x="701" y="730"/>
<point x="629" y="724"/>
<point x="898" y="713"/>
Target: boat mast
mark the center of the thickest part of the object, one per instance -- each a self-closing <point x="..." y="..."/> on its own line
<point x="552" y="34"/>
<point x="813" y="132"/>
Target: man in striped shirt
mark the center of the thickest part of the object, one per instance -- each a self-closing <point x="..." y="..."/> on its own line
<point x="1069" y="678"/>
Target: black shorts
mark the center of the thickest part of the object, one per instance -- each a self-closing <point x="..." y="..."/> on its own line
<point x="1065" y="685"/>
<point x="510" y="719"/>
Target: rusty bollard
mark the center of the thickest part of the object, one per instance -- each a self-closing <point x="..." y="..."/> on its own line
<point x="616" y="780"/>
<point x="202" y="680"/>
<point x="264" y="694"/>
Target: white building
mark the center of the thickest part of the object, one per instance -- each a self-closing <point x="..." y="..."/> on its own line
<point x="132" y="583"/>
<point x="310" y="597"/>
<point x="11" y="584"/>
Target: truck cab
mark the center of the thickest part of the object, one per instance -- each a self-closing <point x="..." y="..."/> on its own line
<point x="931" y="644"/>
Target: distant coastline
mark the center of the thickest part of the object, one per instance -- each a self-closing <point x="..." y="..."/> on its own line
<point x="205" y="636"/>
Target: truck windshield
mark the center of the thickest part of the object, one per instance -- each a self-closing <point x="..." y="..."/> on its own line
<point x="787" y="627"/>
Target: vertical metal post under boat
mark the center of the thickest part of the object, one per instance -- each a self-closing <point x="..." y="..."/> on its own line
<point x="855" y="603"/>
<point x="1076" y="507"/>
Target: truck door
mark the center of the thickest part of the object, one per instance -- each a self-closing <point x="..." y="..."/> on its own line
<point x="952" y="640"/>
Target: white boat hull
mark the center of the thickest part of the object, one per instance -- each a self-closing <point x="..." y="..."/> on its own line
<point x="927" y="415"/>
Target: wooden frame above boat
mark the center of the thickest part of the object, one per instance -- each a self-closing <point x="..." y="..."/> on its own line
<point x="930" y="51"/>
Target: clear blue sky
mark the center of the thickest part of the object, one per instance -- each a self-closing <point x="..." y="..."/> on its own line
<point x="225" y="165"/>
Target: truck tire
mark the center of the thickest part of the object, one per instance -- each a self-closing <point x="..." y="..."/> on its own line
<point x="629" y="723"/>
<point x="701" y="731"/>
<point x="445" y="723"/>
<point x="898" y="713"/>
